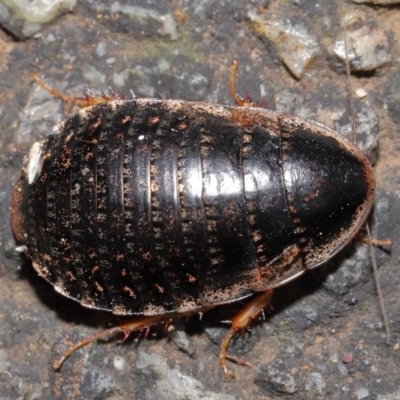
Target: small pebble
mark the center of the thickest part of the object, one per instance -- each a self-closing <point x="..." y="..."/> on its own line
<point x="373" y="370"/>
<point x="342" y="369"/>
<point x="101" y="49"/>
<point x="50" y="38"/>
<point x="361" y="93"/>
<point x="119" y="363"/>
<point x="362" y="393"/>
<point x="347" y="358"/>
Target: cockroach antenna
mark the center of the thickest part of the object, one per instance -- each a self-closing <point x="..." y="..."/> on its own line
<point x="353" y="118"/>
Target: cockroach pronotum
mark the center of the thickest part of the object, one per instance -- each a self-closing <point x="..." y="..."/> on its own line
<point x="165" y="208"/>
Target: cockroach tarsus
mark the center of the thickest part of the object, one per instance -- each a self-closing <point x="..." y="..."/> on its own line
<point x="130" y="137"/>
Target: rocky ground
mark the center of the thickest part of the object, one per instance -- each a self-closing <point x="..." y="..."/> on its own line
<point x="323" y="337"/>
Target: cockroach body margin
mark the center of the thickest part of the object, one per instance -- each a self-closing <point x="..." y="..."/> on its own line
<point x="167" y="208"/>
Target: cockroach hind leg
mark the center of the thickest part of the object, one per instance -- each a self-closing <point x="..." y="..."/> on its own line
<point x="241" y="320"/>
<point x="135" y="324"/>
<point x="59" y="362"/>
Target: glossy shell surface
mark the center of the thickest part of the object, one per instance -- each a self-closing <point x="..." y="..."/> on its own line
<point x="151" y="206"/>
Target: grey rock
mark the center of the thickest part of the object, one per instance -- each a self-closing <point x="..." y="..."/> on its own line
<point x="367" y="45"/>
<point x="172" y="384"/>
<point x="274" y="379"/>
<point x="295" y="44"/>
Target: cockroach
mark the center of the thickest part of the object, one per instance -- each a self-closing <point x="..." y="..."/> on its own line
<point x="166" y="208"/>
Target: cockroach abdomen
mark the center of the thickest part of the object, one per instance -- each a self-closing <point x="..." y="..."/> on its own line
<point x="156" y="206"/>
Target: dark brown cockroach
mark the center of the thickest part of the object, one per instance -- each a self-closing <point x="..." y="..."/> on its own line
<point x="167" y="208"/>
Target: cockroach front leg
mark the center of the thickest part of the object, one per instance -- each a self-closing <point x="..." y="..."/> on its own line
<point x="240" y="321"/>
<point x="72" y="101"/>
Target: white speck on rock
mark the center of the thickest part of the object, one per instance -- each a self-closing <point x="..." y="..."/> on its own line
<point x="362" y="393"/>
<point x="315" y="382"/>
<point x="119" y="79"/>
<point x="50" y="38"/>
<point x="361" y="93"/>
<point x="101" y="49"/>
<point x="342" y="369"/>
<point x="94" y="76"/>
<point x="119" y="363"/>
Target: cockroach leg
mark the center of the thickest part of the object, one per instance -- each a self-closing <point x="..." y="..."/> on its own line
<point x="240" y="101"/>
<point x="52" y="91"/>
<point x="376" y="242"/>
<point x="241" y="320"/>
<point x="136" y="324"/>
<point x="239" y="361"/>
<point x="72" y="101"/>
